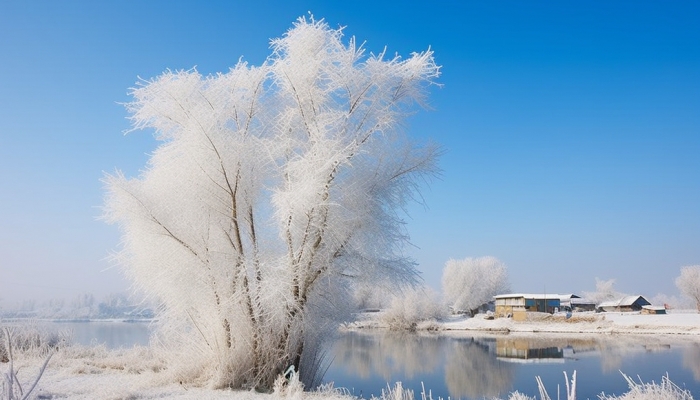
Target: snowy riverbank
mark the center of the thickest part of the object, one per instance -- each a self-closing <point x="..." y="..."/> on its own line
<point x="684" y="322"/>
<point x="138" y="373"/>
<point x="681" y="323"/>
<point x="94" y="372"/>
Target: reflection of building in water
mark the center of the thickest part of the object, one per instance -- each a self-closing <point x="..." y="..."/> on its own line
<point x="518" y="349"/>
<point x="472" y="372"/>
<point x="657" y="347"/>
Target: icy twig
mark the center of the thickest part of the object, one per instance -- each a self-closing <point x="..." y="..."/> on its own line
<point x="9" y="390"/>
<point x="543" y="392"/>
<point x="570" y="390"/>
<point x="666" y="390"/>
<point x="570" y="387"/>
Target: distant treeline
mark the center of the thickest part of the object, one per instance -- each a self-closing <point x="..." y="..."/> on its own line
<point x="84" y="306"/>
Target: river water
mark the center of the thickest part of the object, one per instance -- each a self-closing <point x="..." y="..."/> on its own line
<point x="467" y="366"/>
<point x="464" y="366"/>
<point x="111" y="334"/>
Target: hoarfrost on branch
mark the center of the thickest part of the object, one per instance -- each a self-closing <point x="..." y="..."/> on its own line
<point x="272" y="186"/>
<point x="689" y="283"/>
<point x="471" y="282"/>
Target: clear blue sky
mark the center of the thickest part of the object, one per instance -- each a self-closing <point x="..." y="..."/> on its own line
<point x="571" y="131"/>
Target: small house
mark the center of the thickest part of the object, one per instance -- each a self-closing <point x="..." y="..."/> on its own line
<point x="516" y="305"/>
<point x="653" y="310"/>
<point x="572" y="302"/>
<point x="625" y="304"/>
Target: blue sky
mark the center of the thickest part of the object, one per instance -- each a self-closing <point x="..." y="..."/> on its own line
<point x="571" y="132"/>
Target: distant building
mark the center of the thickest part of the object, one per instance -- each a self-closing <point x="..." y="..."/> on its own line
<point x="516" y="305"/>
<point x="572" y="302"/>
<point x="625" y="304"/>
<point x="653" y="310"/>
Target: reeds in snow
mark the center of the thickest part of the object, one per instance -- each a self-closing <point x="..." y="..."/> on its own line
<point x="666" y="390"/>
<point x="11" y="387"/>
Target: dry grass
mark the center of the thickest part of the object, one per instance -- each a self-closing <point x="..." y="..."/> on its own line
<point x="11" y="388"/>
<point x="30" y="339"/>
<point x="573" y="318"/>
<point x="666" y="390"/>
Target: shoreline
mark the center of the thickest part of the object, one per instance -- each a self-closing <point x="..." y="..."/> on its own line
<point x="86" y="372"/>
<point x="681" y="323"/>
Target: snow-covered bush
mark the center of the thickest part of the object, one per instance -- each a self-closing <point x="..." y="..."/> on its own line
<point x="689" y="283"/>
<point x="604" y="291"/>
<point x="673" y="302"/>
<point x="469" y="283"/>
<point x="371" y="297"/>
<point x="412" y="307"/>
<point x="273" y="187"/>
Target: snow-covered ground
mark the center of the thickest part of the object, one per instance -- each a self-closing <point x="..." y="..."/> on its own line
<point x="684" y="322"/>
<point x="94" y="372"/>
<point x="681" y="323"/>
<point x="78" y="372"/>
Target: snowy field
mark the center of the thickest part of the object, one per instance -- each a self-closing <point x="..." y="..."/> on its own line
<point x="80" y="372"/>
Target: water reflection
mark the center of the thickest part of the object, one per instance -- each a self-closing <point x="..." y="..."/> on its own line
<point x="475" y="367"/>
<point x="691" y="360"/>
<point x="472" y="371"/>
<point x="111" y="334"/>
<point x="387" y="354"/>
<point x="523" y="349"/>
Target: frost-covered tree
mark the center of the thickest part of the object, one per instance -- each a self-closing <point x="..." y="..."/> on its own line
<point x="412" y="307"/>
<point x="469" y="283"/>
<point x="689" y="283"/>
<point x="82" y="306"/>
<point x="604" y="291"/>
<point x="368" y="296"/>
<point x="272" y="186"/>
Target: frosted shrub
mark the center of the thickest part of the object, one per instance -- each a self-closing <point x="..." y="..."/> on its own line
<point x="288" y="386"/>
<point x="412" y="307"/>
<point x="604" y="291"/>
<point x="371" y="297"/>
<point x="469" y="283"/>
<point x="688" y="282"/>
<point x="273" y="186"/>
